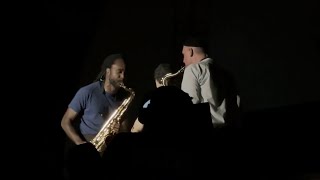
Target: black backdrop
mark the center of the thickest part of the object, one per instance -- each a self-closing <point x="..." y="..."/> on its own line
<point x="272" y="49"/>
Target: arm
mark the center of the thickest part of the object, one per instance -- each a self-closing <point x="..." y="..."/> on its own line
<point x="66" y="124"/>
<point x="137" y="126"/>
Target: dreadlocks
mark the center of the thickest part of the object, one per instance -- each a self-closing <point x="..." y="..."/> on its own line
<point x="107" y="63"/>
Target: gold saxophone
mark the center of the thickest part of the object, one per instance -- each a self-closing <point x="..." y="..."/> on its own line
<point x="165" y="78"/>
<point x="112" y="125"/>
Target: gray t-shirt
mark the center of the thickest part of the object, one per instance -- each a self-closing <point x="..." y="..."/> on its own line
<point x="203" y="85"/>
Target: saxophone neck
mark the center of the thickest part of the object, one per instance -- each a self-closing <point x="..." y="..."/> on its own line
<point x="164" y="80"/>
<point x="126" y="88"/>
<point x="182" y="69"/>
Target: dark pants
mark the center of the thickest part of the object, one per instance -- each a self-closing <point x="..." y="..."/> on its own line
<point x="82" y="162"/>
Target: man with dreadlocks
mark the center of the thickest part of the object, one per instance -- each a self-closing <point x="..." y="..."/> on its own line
<point x="85" y="115"/>
<point x="93" y="103"/>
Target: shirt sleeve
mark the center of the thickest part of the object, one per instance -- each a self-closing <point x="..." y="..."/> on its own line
<point x="190" y="83"/>
<point x="79" y="101"/>
<point x="145" y="105"/>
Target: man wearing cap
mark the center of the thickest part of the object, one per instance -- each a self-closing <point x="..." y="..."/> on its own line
<point x="205" y="81"/>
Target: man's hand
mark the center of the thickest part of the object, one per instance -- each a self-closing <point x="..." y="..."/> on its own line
<point x="81" y="142"/>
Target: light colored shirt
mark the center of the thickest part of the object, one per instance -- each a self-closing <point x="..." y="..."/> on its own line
<point x="145" y="105"/>
<point x="199" y="84"/>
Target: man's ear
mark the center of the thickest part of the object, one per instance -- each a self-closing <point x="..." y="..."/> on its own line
<point x="191" y="52"/>
<point x="108" y="71"/>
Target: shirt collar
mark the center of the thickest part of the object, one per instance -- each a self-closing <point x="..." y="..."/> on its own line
<point x="101" y="87"/>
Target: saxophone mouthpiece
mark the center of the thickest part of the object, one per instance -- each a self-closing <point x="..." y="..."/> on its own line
<point x="124" y="87"/>
<point x="121" y="84"/>
<point x="165" y="79"/>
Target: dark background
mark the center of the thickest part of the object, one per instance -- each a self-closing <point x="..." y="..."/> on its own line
<point x="272" y="49"/>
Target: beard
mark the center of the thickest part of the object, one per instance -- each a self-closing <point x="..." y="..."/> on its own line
<point x="115" y="83"/>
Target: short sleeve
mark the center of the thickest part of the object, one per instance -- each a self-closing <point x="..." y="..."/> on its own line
<point x="79" y="101"/>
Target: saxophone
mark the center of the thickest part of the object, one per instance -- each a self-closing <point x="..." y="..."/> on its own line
<point x="164" y="79"/>
<point x="112" y="125"/>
